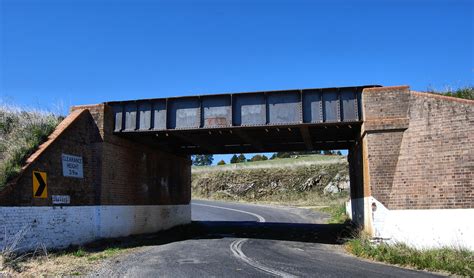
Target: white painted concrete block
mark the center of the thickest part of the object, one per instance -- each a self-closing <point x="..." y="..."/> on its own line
<point x="422" y="228"/>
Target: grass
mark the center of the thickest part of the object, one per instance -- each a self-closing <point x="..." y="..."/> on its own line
<point x="92" y="255"/>
<point x="21" y="132"/>
<point x="81" y="260"/>
<point x="337" y="212"/>
<point x="452" y="260"/>
<point x="282" y="182"/>
<point x="278" y="162"/>
<point x="75" y="261"/>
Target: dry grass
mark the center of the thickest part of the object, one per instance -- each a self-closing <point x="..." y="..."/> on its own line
<point x="21" y="132"/>
<point x="285" y="184"/>
<point x="65" y="263"/>
<point x="88" y="258"/>
<point x="301" y="160"/>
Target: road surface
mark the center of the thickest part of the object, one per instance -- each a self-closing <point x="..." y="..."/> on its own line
<point x="242" y="240"/>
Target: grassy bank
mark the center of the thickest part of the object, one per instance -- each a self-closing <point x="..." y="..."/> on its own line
<point x="21" y="132"/>
<point x="451" y="260"/>
<point x="291" y="181"/>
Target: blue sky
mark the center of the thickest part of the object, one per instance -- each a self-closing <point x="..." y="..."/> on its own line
<point x="54" y="54"/>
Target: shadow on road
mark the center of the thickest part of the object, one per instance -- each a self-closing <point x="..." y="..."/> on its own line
<point x="317" y="233"/>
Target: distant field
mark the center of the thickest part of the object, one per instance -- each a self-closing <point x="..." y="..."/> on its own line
<point x="303" y="160"/>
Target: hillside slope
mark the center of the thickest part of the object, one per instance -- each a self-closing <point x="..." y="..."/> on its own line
<point x="21" y="132"/>
<point x="299" y="181"/>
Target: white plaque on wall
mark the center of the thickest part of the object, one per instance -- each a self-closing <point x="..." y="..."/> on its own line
<point x="72" y="166"/>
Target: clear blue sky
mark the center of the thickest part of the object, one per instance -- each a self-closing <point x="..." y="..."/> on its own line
<point x="70" y="52"/>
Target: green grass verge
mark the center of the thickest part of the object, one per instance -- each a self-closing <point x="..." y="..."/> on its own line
<point x="452" y="260"/>
<point x="337" y="211"/>
<point x="94" y="255"/>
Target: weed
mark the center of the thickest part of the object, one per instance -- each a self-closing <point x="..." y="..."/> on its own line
<point x="453" y="260"/>
<point x="463" y="92"/>
<point x="337" y="212"/>
<point x="79" y="253"/>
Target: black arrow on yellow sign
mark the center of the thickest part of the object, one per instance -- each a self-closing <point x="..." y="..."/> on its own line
<point x="40" y="185"/>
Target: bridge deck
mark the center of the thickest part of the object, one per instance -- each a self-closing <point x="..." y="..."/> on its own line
<point x="244" y="122"/>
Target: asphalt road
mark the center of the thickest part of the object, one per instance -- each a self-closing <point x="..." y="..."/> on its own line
<point x="241" y="240"/>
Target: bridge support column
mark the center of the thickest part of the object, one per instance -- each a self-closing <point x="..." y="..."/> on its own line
<point x="385" y="116"/>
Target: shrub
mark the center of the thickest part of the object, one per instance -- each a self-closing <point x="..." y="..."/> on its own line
<point x="463" y="92"/>
<point x="222" y="162"/>
<point x="258" y="157"/>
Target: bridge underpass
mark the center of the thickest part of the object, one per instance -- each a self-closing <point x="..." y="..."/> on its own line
<point x="256" y="122"/>
<point x="410" y="160"/>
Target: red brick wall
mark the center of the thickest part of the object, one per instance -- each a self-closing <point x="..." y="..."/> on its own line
<point x="116" y="171"/>
<point x="133" y="173"/>
<point x="73" y="136"/>
<point x="419" y="146"/>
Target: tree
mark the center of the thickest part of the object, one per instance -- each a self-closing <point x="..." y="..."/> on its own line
<point x="339" y="153"/>
<point x="283" y="154"/>
<point x="327" y="152"/>
<point x="222" y="162"/>
<point x="234" y="159"/>
<point x="258" y="157"/>
<point x="202" y="159"/>
<point x="241" y="158"/>
<point x="273" y="156"/>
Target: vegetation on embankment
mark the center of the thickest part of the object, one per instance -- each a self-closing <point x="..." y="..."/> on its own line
<point x="295" y="181"/>
<point x="21" y="132"/>
<point x="452" y="260"/>
<point x="463" y="92"/>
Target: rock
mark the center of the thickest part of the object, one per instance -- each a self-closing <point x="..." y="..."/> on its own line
<point x="310" y="183"/>
<point x="331" y="188"/>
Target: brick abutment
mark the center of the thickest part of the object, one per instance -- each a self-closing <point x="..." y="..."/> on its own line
<point x="411" y="171"/>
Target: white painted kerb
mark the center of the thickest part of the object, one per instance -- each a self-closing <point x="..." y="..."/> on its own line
<point x="59" y="227"/>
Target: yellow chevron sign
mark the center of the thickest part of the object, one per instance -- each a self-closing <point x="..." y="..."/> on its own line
<point x="40" y="185"/>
